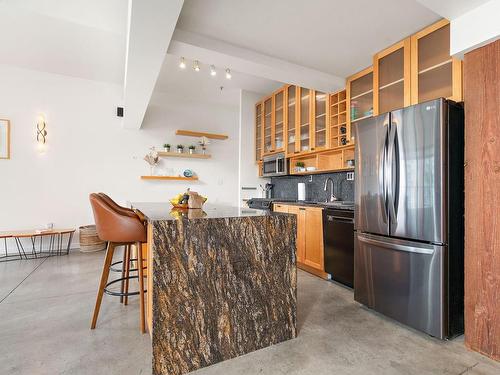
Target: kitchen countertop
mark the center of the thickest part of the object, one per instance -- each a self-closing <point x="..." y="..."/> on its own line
<point x="160" y="211"/>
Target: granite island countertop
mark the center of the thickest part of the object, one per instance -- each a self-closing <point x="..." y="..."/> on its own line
<point x="224" y="283"/>
<point x="159" y="211"/>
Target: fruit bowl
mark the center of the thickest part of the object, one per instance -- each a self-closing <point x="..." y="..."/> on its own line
<point x="174" y="202"/>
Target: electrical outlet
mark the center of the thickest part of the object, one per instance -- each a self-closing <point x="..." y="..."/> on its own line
<point x="350" y="176"/>
<point x="310" y="178"/>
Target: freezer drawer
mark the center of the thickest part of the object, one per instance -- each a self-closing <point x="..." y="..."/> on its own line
<point x="403" y="280"/>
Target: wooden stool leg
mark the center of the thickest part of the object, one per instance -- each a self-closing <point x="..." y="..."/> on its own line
<point x="141" y="286"/>
<point x="104" y="279"/>
<point x="127" y="272"/>
<point x="122" y="287"/>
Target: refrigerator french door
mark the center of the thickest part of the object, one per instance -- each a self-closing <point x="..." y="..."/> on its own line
<point x="409" y="201"/>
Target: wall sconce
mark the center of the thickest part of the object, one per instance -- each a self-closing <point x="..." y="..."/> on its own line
<point x="41" y="133"/>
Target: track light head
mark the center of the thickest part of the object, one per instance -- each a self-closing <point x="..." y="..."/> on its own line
<point x="182" y="63"/>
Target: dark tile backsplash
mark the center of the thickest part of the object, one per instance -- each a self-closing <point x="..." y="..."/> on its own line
<point x="286" y="187"/>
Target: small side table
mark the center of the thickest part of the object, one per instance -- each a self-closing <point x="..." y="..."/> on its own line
<point x="56" y="243"/>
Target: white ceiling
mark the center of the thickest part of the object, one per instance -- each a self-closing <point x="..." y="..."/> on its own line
<point x="452" y="9"/>
<point x="84" y="39"/>
<point x="336" y="37"/>
<point x="201" y="85"/>
<point x="107" y="15"/>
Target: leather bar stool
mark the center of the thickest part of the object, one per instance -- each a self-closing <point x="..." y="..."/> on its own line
<point x="120" y="227"/>
<point x="125" y="270"/>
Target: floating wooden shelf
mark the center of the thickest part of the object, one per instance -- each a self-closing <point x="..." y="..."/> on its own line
<point x="190" y="133"/>
<point x="183" y="155"/>
<point x="169" y="178"/>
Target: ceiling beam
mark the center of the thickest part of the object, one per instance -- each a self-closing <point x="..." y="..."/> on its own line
<point x="150" y="27"/>
<point x="194" y="46"/>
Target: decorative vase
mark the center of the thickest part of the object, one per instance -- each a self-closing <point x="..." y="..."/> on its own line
<point x="152" y="170"/>
<point x="203" y="150"/>
<point x="167" y="149"/>
<point x="179" y="150"/>
<point x="191" y="151"/>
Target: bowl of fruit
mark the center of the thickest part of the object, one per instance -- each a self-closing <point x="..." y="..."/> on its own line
<point x="189" y="199"/>
<point x="180" y="201"/>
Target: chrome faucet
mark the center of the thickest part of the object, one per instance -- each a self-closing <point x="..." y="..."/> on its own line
<point x="332" y="197"/>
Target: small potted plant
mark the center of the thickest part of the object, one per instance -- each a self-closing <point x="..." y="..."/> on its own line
<point x="180" y="149"/>
<point x="300" y="166"/>
<point x="166" y="147"/>
<point x="191" y="149"/>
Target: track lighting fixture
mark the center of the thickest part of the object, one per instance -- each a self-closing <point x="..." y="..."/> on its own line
<point x="196" y="66"/>
<point x="228" y="73"/>
<point x="212" y="70"/>
<point x="182" y="63"/>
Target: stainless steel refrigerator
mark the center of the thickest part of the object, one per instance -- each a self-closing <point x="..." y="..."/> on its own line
<point x="409" y="204"/>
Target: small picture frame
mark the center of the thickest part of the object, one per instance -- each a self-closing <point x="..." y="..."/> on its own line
<point x="4" y="139"/>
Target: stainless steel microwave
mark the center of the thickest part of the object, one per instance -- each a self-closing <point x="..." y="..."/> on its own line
<point x="274" y="165"/>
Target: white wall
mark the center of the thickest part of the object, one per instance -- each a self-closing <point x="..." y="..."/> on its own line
<point x="88" y="150"/>
<point x="249" y="180"/>
<point x="475" y="28"/>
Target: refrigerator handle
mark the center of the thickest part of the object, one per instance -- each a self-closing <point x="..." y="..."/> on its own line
<point x="382" y="170"/>
<point x="417" y="248"/>
<point x="390" y="172"/>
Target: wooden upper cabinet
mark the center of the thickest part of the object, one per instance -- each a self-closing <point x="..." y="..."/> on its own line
<point x="319" y="128"/>
<point x="267" y="125"/>
<point x="304" y="119"/>
<point x="337" y="124"/>
<point x="258" y="131"/>
<point x="359" y="89"/>
<point x="291" y="120"/>
<point x="278" y="121"/>
<point x="434" y="73"/>
<point x="391" y="78"/>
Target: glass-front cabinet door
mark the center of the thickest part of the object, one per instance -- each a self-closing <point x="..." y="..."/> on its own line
<point x="290" y="119"/>
<point x="278" y="128"/>
<point x="304" y="125"/>
<point x="391" y="78"/>
<point x="267" y="133"/>
<point x="359" y="89"/>
<point x="434" y="72"/>
<point x="258" y="132"/>
<point x="319" y="129"/>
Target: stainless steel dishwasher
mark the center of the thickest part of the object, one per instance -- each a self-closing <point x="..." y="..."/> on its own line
<point x="338" y="238"/>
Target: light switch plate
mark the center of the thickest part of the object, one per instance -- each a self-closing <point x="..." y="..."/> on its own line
<point x="350" y="176"/>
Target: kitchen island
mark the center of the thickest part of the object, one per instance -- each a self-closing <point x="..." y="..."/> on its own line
<point x="223" y="283"/>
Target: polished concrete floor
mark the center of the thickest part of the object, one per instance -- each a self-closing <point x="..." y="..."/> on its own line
<point x="46" y="306"/>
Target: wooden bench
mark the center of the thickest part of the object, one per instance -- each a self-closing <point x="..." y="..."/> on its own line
<point x="55" y="246"/>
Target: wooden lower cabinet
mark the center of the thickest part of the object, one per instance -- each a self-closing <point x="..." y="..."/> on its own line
<point x="313" y="233"/>
<point x="310" y="256"/>
<point x="277" y="207"/>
